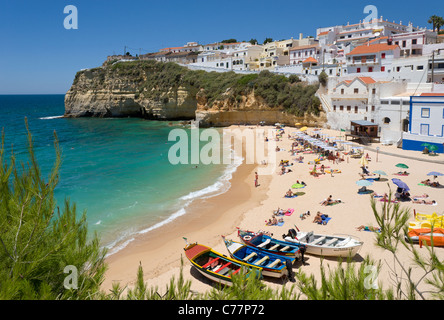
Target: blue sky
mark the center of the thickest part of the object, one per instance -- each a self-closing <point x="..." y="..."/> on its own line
<point x="38" y="55"/>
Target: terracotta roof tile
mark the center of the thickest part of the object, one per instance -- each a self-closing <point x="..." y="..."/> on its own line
<point x="372" y="48"/>
<point x="311" y="60"/>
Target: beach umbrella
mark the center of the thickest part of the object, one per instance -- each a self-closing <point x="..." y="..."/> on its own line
<point x="401" y="184"/>
<point x="402" y="165"/>
<point x="380" y="172"/>
<point x="435" y="174"/>
<point x="303" y="128"/>
<point x="433" y="147"/>
<point x="298" y="186"/>
<point x="364" y="183"/>
<point x="425" y="144"/>
<point x="363" y="161"/>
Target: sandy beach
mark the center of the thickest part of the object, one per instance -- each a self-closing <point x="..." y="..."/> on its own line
<point x="249" y="207"/>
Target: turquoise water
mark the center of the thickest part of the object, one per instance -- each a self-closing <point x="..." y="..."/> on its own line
<point x="115" y="169"/>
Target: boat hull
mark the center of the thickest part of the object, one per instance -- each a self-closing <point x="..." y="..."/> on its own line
<point x="426" y="234"/>
<point x="327" y="245"/>
<point x="275" y="266"/>
<point x="271" y="245"/>
<point x="216" y="266"/>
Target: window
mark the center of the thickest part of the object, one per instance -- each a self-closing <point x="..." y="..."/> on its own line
<point x="373" y="91"/>
<point x="424" y="129"/>
<point x="341" y="108"/>
<point x="425" y="112"/>
<point x="358" y="70"/>
<point x="419" y="67"/>
<point x="356" y="90"/>
<point x="342" y="91"/>
<point x="414" y="41"/>
<point x="404" y="43"/>
<point x="373" y="108"/>
<point x="370" y="69"/>
<point x="383" y="55"/>
<point x="383" y="68"/>
<point x="349" y="108"/>
<point x="356" y="109"/>
<point x="334" y="108"/>
<point x="386" y="120"/>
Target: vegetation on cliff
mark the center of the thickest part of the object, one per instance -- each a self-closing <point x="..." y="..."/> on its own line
<point x="156" y="80"/>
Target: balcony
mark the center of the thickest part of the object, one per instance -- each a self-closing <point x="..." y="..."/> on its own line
<point x="363" y="62"/>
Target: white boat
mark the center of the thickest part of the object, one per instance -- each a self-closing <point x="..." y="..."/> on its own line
<point x="325" y="245"/>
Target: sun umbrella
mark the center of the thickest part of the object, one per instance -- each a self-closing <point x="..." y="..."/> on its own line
<point x="303" y="128"/>
<point x="401" y="184"/>
<point x="298" y="186"/>
<point x="402" y="165"/>
<point x="434" y="173"/>
<point x="380" y="172"/>
<point x="363" y="161"/>
<point x="425" y="144"/>
<point x="364" y="183"/>
<point x="433" y="148"/>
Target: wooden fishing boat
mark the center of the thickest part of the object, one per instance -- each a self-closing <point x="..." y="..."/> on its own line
<point x="217" y="266"/>
<point x="325" y="245"/>
<point x="272" y="265"/>
<point x="268" y="244"/>
<point x="426" y="235"/>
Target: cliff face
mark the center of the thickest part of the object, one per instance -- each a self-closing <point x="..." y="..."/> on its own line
<point x="101" y="92"/>
<point x="169" y="92"/>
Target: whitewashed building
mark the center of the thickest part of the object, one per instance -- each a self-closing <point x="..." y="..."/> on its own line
<point x="426" y="122"/>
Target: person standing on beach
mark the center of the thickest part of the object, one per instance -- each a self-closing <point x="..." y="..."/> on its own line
<point x="256" y="179"/>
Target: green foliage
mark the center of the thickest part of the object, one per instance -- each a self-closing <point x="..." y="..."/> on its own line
<point x="323" y="78"/>
<point x="393" y="221"/>
<point x="229" y="41"/>
<point x="267" y="40"/>
<point x="343" y="283"/>
<point x="37" y="242"/>
<point x="156" y="80"/>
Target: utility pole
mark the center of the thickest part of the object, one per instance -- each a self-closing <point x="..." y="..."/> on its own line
<point x="433" y="64"/>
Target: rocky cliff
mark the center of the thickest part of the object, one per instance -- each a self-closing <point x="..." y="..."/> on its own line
<point x="162" y="91"/>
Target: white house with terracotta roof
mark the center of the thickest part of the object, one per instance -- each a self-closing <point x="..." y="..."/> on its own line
<point x="375" y="57"/>
<point x="366" y="98"/>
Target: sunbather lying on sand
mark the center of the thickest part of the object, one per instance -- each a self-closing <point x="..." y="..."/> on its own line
<point x="425" y="195"/>
<point x="423" y="201"/>
<point x="330" y="201"/>
<point x="368" y="228"/>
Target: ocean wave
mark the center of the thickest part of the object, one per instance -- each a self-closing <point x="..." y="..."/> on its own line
<point x="52" y="117"/>
<point x="221" y="186"/>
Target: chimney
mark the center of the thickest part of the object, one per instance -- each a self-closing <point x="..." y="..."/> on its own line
<point x="300" y="36"/>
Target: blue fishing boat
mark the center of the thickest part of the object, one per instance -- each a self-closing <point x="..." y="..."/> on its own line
<point x="272" y="265"/>
<point x="268" y="244"/>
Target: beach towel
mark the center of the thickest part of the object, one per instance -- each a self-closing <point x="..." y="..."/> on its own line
<point x="289" y="212"/>
<point x="325" y="220"/>
<point x="401" y="174"/>
<point x="293" y="196"/>
<point x="365" y="192"/>
<point x="279" y="224"/>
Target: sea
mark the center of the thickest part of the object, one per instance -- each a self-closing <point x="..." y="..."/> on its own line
<point x="115" y="169"/>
